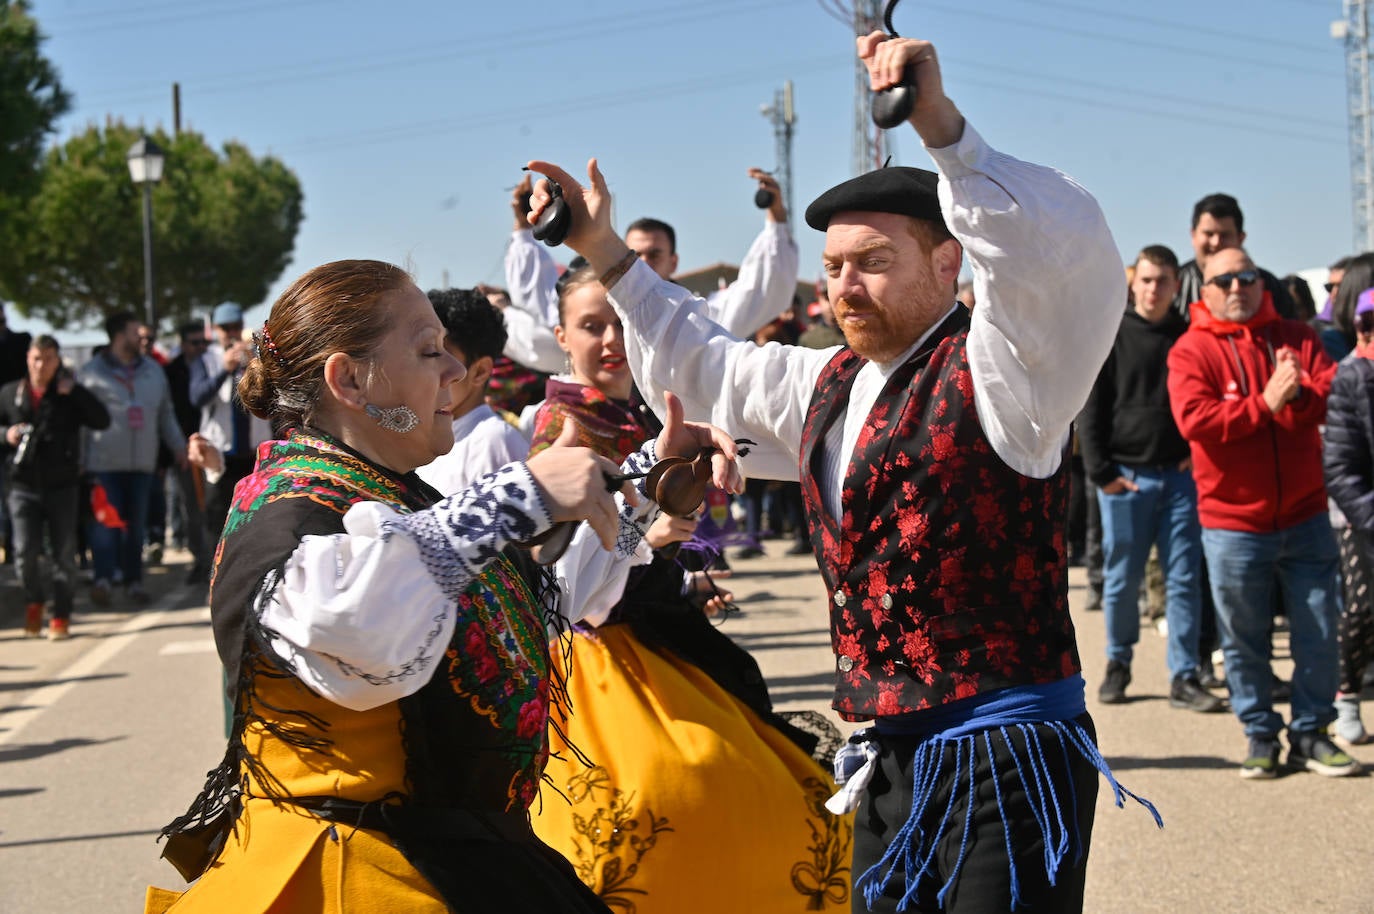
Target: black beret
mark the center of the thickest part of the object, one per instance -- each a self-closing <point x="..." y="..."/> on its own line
<point x="900" y="190"/>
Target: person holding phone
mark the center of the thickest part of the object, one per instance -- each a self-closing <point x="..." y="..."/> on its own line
<point x="43" y="414"/>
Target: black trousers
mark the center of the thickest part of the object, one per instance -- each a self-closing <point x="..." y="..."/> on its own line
<point x="983" y="881"/>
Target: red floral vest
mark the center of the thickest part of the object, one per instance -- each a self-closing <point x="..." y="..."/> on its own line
<point x="946" y="574"/>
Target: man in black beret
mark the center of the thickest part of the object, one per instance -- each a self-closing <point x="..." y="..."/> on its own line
<point x="931" y="454"/>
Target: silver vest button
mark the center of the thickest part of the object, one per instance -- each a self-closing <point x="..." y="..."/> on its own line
<point x="846" y="663"/>
<point x="886" y="601"/>
<point x="840" y="598"/>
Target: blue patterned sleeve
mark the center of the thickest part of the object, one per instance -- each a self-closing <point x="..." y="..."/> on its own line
<point x="464" y="533"/>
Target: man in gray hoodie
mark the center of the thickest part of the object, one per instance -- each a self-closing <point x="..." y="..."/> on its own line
<point x="122" y="459"/>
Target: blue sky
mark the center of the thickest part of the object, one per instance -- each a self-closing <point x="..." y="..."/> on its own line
<point x="407" y="121"/>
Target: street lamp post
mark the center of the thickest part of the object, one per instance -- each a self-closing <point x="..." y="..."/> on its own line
<point x="145" y="167"/>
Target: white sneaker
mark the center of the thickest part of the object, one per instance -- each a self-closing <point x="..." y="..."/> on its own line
<point x="1349" y="729"/>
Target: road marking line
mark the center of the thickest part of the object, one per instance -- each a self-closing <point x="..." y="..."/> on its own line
<point x="88" y="663"/>
<point x="203" y="646"/>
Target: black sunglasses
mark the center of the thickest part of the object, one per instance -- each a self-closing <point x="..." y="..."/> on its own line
<point x="1331" y="287"/>
<point x="1245" y="277"/>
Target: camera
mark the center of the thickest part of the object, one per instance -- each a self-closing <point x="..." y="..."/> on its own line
<point x="26" y="450"/>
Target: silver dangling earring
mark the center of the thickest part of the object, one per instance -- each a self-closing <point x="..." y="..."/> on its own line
<point x="399" y="419"/>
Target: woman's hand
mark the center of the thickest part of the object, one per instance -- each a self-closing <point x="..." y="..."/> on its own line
<point x="667" y="529"/>
<point x="573" y="480"/>
<point x="591" y="234"/>
<point x="702" y="585"/>
<point x="687" y="439"/>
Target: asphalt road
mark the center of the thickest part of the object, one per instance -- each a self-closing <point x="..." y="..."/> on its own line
<point x="106" y="737"/>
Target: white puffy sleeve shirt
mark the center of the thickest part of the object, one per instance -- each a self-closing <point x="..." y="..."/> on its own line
<point x="1050" y="287"/>
<point x="363" y="616"/>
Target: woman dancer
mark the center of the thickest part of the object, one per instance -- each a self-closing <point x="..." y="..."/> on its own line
<point x="387" y="656"/>
<point x="688" y="761"/>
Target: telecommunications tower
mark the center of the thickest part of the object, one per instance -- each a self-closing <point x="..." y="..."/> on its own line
<point x="870" y="147"/>
<point x="783" y="115"/>
<point x="1354" y="31"/>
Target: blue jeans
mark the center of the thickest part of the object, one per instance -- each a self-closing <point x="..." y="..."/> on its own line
<point x="1162" y="513"/>
<point x="114" y="549"/>
<point x="1305" y="561"/>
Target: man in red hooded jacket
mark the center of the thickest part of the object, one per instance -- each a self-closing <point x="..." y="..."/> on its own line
<point x="1248" y="391"/>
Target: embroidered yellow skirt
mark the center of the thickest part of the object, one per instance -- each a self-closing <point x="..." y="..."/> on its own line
<point x="692" y="802"/>
<point x="284" y="860"/>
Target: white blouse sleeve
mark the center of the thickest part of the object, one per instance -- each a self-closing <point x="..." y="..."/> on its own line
<point x="1049" y="286"/>
<point x="532" y="343"/>
<point x="591" y="579"/>
<point x="764" y="288"/>
<point x="755" y="392"/>
<point x="362" y="616"/>
<point x="531" y="277"/>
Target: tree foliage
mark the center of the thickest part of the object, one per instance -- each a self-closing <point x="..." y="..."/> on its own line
<point x="224" y="226"/>
<point x="31" y="97"/>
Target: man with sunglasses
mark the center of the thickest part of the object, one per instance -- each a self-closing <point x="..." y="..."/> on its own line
<point x="1248" y="391"/>
<point x="1218" y="224"/>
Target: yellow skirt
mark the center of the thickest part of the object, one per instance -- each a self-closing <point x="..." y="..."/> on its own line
<point x="692" y="802"/>
<point x="285" y="861"/>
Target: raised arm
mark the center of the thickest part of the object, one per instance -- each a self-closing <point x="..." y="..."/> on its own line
<point x="767" y="276"/>
<point x="530" y="341"/>
<point x="531" y="274"/>
<point x="1047" y="277"/>
<point x="760" y="393"/>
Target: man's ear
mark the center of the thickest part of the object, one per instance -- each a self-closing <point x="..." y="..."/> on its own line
<point x="344" y="380"/>
<point x="946" y="260"/>
<point x="479" y="372"/>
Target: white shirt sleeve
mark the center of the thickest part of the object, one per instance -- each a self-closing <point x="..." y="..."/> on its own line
<point x="484" y="447"/>
<point x="531" y="277"/>
<point x="363" y="616"/>
<point x="765" y="286"/>
<point x="755" y="392"/>
<point x="530" y="341"/>
<point x="1050" y="287"/>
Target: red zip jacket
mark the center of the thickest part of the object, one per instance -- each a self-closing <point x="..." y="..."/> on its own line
<point x="1256" y="471"/>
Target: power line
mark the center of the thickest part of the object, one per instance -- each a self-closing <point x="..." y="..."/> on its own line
<point x="649" y="94"/>
<point x="554" y="34"/>
<point x="329" y="68"/>
<point x="1227" y="108"/>
<point x="1189" y="28"/>
<point x="159" y="17"/>
<point x="1209" y="54"/>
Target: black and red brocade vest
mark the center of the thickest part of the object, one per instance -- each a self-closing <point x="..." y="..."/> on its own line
<point x="946" y="574"/>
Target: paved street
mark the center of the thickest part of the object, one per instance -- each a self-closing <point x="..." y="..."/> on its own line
<point x="105" y="737"/>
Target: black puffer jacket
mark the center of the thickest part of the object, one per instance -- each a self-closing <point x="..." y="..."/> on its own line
<point x="1348" y="449"/>
<point x="57" y="423"/>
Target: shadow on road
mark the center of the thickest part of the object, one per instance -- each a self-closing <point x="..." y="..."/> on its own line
<point x="29" y="684"/>
<point x="1170" y="762"/>
<point x="38" y="750"/>
<point x="147" y="832"/>
<point x="20" y="792"/>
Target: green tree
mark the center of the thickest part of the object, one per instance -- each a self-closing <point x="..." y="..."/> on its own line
<point x="31" y="97"/>
<point x="31" y="101"/>
<point x="224" y="226"/>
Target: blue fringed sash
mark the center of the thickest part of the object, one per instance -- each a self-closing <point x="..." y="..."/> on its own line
<point x="965" y="725"/>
